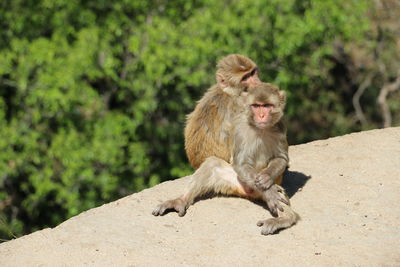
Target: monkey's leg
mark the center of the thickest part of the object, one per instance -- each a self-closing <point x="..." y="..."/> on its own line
<point x="214" y="175"/>
<point x="286" y="217"/>
<point x="179" y="205"/>
<point x="279" y="179"/>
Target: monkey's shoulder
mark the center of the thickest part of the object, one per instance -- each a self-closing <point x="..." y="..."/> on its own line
<point x="214" y="104"/>
<point x="216" y="96"/>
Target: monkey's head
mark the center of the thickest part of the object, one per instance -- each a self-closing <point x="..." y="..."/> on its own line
<point x="236" y="73"/>
<point x="265" y="105"/>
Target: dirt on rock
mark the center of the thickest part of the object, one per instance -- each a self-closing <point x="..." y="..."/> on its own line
<point x="346" y="190"/>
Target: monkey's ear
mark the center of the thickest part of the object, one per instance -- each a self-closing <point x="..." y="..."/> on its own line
<point x="221" y="80"/>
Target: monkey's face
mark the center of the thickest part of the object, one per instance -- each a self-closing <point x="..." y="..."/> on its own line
<point x="266" y="105"/>
<point x="265" y="114"/>
<point x="250" y="79"/>
<point x="261" y="113"/>
<point x="238" y="72"/>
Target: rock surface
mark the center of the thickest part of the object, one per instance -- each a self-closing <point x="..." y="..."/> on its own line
<point x="346" y="189"/>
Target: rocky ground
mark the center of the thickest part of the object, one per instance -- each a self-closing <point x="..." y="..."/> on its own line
<point x="346" y="189"/>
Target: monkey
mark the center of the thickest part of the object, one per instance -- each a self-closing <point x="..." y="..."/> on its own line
<point x="264" y="132"/>
<point x="217" y="175"/>
<point x="208" y="127"/>
<point x="260" y="150"/>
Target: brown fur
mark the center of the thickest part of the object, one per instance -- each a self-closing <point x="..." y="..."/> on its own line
<point x="232" y="68"/>
<point x="208" y="127"/>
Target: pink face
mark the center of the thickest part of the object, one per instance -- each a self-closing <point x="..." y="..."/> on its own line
<point x="261" y="112"/>
<point x="251" y="78"/>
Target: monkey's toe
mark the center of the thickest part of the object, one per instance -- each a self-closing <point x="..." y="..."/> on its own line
<point x="260" y="223"/>
<point x="269" y="226"/>
<point x="181" y="210"/>
<point x="158" y="211"/>
<point x="171" y="205"/>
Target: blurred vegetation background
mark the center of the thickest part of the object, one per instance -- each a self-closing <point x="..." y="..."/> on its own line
<point x="93" y="94"/>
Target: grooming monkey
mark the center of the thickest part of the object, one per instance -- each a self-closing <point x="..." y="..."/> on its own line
<point x="208" y="127"/>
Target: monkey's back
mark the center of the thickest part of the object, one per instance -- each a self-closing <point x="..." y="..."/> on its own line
<point x="207" y="131"/>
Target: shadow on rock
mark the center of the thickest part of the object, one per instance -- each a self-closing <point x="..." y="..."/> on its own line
<point x="294" y="181"/>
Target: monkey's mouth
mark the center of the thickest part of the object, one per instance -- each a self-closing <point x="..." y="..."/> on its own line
<point x="263" y="125"/>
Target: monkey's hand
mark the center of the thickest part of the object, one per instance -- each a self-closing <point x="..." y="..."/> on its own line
<point x="263" y="181"/>
<point x="178" y="205"/>
<point x="276" y="198"/>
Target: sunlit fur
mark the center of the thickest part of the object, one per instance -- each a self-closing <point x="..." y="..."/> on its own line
<point x="232" y="68"/>
<point x="263" y="151"/>
<point x="208" y="143"/>
<point x="257" y="146"/>
<point x="208" y="127"/>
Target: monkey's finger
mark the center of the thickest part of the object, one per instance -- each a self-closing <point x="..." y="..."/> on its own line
<point x="156" y="211"/>
<point x="284" y="198"/>
<point x="162" y="210"/>
<point x="259" y="184"/>
<point x="285" y="201"/>
<point x="273" y="208"/>
<point x="268" y="229"/>
<point x="269" y="226"/>
<point x="260" y="223"/>
<point x="280" y="208"/>
<point x="260" y="181"/>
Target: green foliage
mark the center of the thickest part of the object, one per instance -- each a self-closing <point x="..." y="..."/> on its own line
<point x="93" y="94"/>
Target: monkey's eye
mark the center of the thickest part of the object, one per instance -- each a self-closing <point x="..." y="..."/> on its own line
<point x="245" y="77"/>
<point x="268" y="105"/>
<point x="262" y="105"/>
<point x="248" y="75"/>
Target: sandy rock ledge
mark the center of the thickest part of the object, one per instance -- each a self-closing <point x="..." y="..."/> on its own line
<point x="346" y="189"/>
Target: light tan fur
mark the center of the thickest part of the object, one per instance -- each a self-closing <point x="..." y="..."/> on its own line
<point x="208" y="127"/>
<point x="260" y="153"/>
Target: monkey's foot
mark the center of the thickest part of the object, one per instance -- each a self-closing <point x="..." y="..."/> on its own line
<point x="275" y="197"/>
<point x="269" y="226"/>
<point x="178" y="205"/>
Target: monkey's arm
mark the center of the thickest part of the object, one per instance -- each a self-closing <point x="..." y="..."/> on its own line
<point x="242" y="162"/>
<point x="275" y="168"/>
<point x="265" y="181"/>
<point x="246" y="174"/>
<point x="267" y="176"/>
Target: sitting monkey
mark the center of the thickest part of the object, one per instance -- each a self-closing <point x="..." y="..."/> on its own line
<point x="260" y="150"/>
<point x="259" y="158"/>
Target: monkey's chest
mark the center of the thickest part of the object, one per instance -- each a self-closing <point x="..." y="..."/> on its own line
<point x="263" y="152"/>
